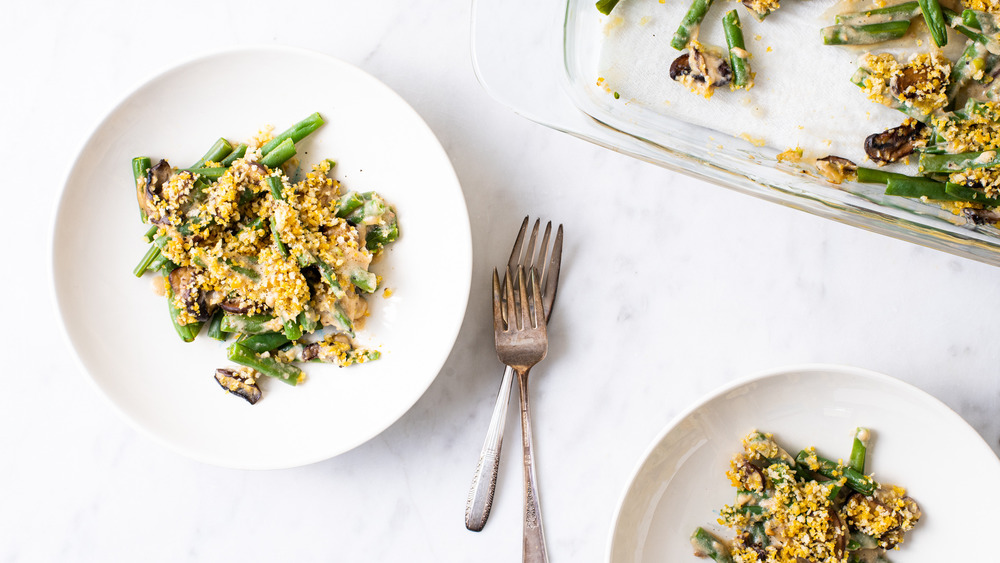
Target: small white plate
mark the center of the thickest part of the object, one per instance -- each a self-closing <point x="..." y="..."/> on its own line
<point x="918" y="443"/>
<point x="120" y="329"/>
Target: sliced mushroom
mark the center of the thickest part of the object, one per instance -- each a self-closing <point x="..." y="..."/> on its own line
<point x="700" y="70"/>
<point x="310" y="352"/>
<point x="235" y="306"/>
<point x="907" y="83"/>
<point x="751" y="478"/>
<point x="981" y="216"/>
<point x="241" y="382"/>
<point x="864" y="512"/>
<point x="840" y="533"/>
<point x="894" y="144"/>
<point x="747" y="542"/>
<point x="835" y="168"/>
<point x="152" y="189"/>
<point x="182" y="284"/>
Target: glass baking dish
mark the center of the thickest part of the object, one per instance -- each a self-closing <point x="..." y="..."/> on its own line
<point x="541" y="60"/>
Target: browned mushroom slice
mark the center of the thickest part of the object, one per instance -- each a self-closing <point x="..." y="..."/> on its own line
<point x="239" y="382"/>
<point x="182" y="284"/>
<point x="908" y="83"/>
<point x="835" y="168"/>
<point x="981" y="216"/>
<point x="310" y="352"/>
<point x="750" y="477"/>
<point x="152" y="189"/>
<point x="871" y="516"/>
<point x="700" y="70"/>
<point x="896" y="143"/>
<point x="235" y="306"/>
<point x="840" y="534"/>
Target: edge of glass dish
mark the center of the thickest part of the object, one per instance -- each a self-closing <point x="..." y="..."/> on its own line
<point x="534" y="78"/>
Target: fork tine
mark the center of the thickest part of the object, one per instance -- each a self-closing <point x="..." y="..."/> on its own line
<point x="539" y="263"/>
<point x="515" y="253"/>
<point x="552" y="275"/>
<point x="511" y="311"/>
<point x="497" y="309"/>
<point x="529" y="253"/>
<point x="539" y="317"/>
<point x="524" y="320"/>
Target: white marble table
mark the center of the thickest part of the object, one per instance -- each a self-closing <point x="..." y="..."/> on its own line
<point x="671" y="287"/>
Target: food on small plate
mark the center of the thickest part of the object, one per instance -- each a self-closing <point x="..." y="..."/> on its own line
<point x="807" y="508"/>
<point x="253" y="247"/>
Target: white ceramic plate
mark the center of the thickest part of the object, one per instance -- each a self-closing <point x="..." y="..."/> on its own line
<point x="918" y="443"/>
<point x="120" y="328"/>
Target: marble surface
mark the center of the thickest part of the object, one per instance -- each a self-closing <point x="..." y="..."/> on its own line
<point x="670" y="288"/>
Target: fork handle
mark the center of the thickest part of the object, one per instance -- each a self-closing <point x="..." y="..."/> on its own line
<point x="534" y="538"/>
<point x="477" y="509"/>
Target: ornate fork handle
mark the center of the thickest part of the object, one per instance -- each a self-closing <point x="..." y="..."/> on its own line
<point x="477" y="510"/>
<point x="534" y="538"/>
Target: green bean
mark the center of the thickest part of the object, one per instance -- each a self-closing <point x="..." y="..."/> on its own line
<point x="348" y="204"/>
<point x="239" y="152"/>
<point x="899" y="12"/>
<point x="330" y="277"/>
<point x="308" y="323"/>
<point x="215" y="326"/>
<point x="243" y="270"/>
<point x="867" y="34"/>
<point x="960" y="74"/>
<point x="151" y="233"/>
<point x="209" y="173"/>
<point x="187" y="332"/>
<point x="358" y="356"/>
<point x="917" y="188"/>
<point x="605" y="6"/>
<point x="152" y="254"/>
<point x="279" y="155"/>
<point x="739" y="59"/>
<point x="216" y="153"/>
<point x="282" y="249"/>
<point x="268" y="366"/>
<point x="161" y="262"/>
<point x="380" y="235"/>
<point x="364" y="280"/>
<point x="140" y="168"/>
<point x="934" y="18"/>
<point x="264" y="342"/>
<point x="276" y="187"/>
<point x="947" y="163"/>
<point x="257" y="223"/>
<point x="875" y="176"/>
<point x="342" y="321"/>
<point x="758" y="533"/>
<point x="974" y="31"/>
<point x="690" y="24"/>
<point x="965" y="193"/>
<point x="832" y="470"/>
<point x="859" y="449"/>
<point x="707" y="545"/>
<point x="293" y="331"/>
<point x="295" y="133"/>
<point x="247" y="324"/>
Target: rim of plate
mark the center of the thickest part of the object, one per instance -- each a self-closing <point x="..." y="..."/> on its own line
<point x="769" y="374"/>
<point x="56" y="211"/>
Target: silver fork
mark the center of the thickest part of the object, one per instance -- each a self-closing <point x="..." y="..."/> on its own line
<point x="521" y="343"/>
<point x="477" y="509"/>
